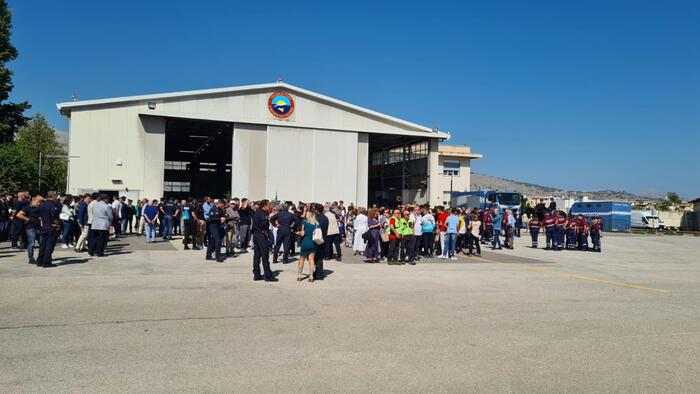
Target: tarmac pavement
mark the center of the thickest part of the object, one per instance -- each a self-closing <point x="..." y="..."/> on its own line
<point x="152" y="318"/>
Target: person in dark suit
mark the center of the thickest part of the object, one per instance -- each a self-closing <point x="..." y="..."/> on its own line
<point x="320" y="249"/>
<point x="261" y="243"/>
<point x="48" y="233"/>
<point x="216" y="219"/>
<point x="285" y="222"/>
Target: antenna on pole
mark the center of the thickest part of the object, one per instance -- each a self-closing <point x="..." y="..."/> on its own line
<point x="280" y="79"/>
<point x="74" y="96"/>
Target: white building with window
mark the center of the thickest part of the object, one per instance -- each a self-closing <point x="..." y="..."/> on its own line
<point x="270" y="140"/>
<point x="454" y="164"/>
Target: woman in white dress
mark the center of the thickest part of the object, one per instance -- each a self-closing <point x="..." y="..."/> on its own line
<point x="361" y="225"/>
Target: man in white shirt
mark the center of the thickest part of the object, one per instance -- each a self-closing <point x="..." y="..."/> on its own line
<point x="116" y="211"/>
<point x="417" y="231"/>
<point x="333" y="234"/>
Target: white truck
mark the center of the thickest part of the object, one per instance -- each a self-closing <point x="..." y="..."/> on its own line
<point x="647" y="219"/>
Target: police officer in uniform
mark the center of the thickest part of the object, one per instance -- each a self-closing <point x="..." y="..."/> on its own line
<point x="285" y="222"/>
<point x="534" y="227"/>
<point x="261" y="242"/>
<point x="48" y="234"/>
<point x="215" y="220"/>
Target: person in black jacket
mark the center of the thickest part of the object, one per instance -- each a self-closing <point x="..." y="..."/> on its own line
<point x="285" y="222"/>
<point x="320" y="249"/>
<point x="216" y="219"/>
<point x="246" y="213"/>
<point x="261" y="242"/>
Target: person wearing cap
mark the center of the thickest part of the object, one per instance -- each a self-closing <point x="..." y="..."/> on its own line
<point x="596" y="229"/>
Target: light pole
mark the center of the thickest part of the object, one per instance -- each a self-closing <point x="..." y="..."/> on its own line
<point x="41" y="159"/>
<point x="451" y="178"/>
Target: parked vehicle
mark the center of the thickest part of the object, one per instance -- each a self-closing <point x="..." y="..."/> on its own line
<point x="647" y="219"/>
<point x="614" y="215"/>
<point x="487" y="199"/>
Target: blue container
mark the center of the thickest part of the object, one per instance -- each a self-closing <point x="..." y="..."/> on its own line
<point x="615" y="216"/>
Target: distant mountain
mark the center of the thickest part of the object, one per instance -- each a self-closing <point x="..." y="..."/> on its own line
<point x="481" y="181"/>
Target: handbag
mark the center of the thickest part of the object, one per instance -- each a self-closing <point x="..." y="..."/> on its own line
<point x="365" y="236"/>
<point x="384" y="236"/>
<point x="317" y="236"/>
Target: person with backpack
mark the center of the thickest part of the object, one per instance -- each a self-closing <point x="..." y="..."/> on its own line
<point x="428" y="237"/>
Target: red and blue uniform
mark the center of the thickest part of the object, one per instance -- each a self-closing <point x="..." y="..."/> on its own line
<point x="582" y="232"/>
<point x="571" y="233"/>
<point x="550" y="222"/>
<point x="596" y="229"/>
<point x="534" y="227"/>
<point x="561" y="224"/>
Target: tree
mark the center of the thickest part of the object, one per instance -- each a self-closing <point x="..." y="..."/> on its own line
<point x="673" y="198"/>
<point x="11" y="114"/>
<point x="663" y="205"/>
<point x="15" y="170"/>
<point x="38" y="136"/>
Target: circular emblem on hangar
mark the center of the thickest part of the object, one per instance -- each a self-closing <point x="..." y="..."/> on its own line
<point x="280" y="104"/>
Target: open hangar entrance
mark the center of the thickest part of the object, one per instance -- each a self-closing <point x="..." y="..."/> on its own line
<point x="198" y="157"/>
<point x="398" y="170"/>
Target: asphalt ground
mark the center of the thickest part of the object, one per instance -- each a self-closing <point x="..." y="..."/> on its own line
<point x="154" y="318"/>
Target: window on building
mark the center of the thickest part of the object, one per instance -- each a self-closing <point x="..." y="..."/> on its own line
<point x="419" y="150"/>
<point x="176" y="165"/>
<point x="450" y="167"/>
<point x="446" y="197"/>
<point x="176" y="186"/>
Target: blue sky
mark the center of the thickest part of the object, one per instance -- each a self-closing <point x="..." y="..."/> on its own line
<point x="580" y="95"/>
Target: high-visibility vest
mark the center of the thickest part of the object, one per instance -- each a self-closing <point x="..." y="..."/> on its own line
<point x="405" y="227"/>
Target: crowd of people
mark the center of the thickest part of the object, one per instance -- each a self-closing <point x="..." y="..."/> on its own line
<point x="401" y="235"/>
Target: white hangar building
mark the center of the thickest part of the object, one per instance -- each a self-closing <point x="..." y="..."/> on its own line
<point x="257" y="141"/>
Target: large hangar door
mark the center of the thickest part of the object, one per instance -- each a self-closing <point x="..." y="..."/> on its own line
<point x="398" y="170"/>
<point x="197" y="158"/>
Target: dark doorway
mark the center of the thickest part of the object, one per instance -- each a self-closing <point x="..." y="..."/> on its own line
<point x="197" y="158"/>
<point x="398" y="169"/>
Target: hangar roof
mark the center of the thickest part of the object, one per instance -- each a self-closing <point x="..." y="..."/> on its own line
<point x="66" y="107"/>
